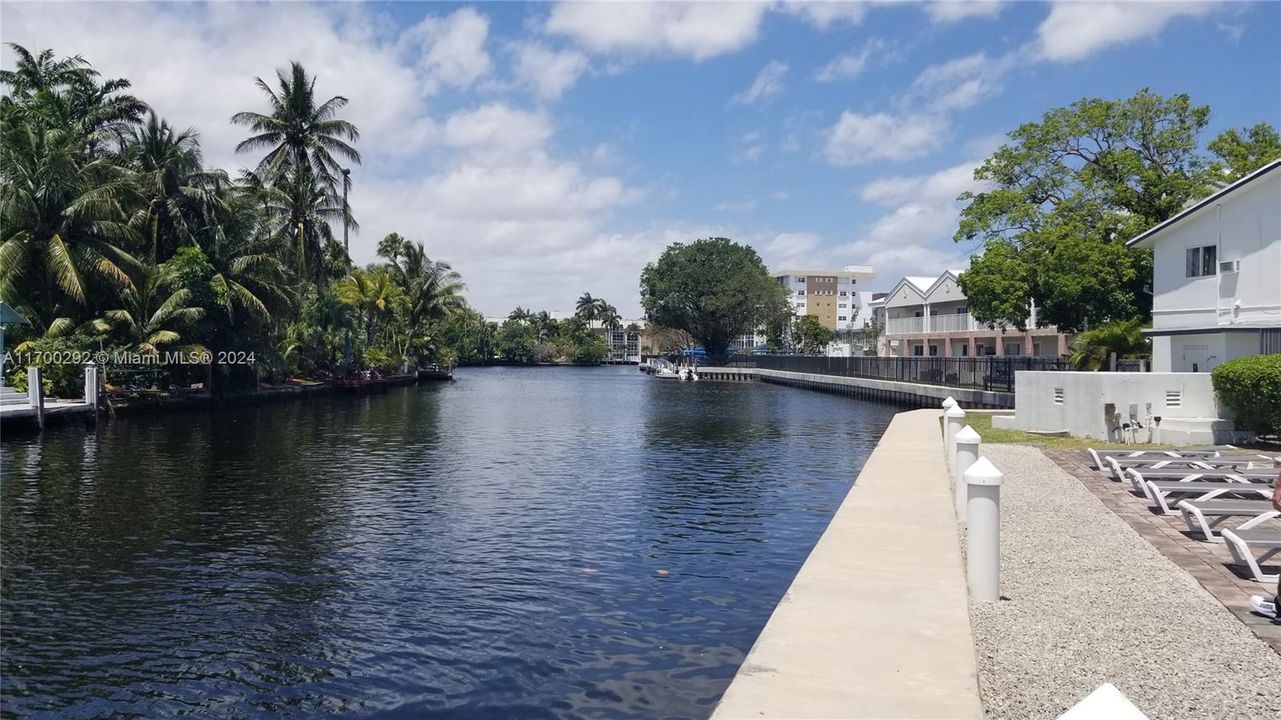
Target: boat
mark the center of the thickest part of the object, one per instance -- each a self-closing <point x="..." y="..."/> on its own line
<point x="436" y="372"/>
<point x="667" y="374"/>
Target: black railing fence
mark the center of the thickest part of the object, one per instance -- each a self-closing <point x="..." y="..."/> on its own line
<point x="988" y="373"/>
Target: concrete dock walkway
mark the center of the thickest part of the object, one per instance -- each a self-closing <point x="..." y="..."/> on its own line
<point x="876" y="624"/>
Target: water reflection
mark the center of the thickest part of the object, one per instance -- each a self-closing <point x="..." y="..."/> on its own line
<point x="519" y="543"/>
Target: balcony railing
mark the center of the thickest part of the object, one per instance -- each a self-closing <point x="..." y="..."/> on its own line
<point x="902" y="326"/>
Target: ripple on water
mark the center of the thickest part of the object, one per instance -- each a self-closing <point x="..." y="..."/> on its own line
<point x="519" y="543"/>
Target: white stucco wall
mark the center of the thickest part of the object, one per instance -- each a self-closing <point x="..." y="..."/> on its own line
<point x="1081" y="411"/>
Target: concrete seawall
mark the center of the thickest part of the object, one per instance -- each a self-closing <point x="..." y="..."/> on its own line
<point x="876" y="624"/>
<point x="904" y="393"/>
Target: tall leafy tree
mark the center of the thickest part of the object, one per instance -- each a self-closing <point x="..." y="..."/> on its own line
<point x="1065" y="193"/>
<point x="1241" y="153"/>
<point x="176" y="191"/>
<point x="714" y="289"/>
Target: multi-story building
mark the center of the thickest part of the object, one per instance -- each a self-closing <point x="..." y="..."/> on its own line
<point x="830" y="295"/>
<point x="625" y="341"/>
<point x="929" y="316"/>
<point x="1216" y="276"/>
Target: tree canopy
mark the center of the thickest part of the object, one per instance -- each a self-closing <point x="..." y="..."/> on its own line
<point x="714" y="289"/>
<point x="1065" y="193"/>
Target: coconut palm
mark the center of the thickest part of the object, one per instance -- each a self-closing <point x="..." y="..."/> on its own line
<point x="176" y="189"/>
<point x="1092" y="349"/>
<point x="153" y="314"/>
<point x="607" y="315"/>
<point x="62" y="222"/>
<point x="250" y="281"/>
<point x="373" y="294"/>
<point x="299" y="212"/>
<point x="300" y="134"/>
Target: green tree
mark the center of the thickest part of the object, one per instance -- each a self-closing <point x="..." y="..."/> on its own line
<point x="373" y="294"/>
<point x="153" y="315"/>
<point x="1241" y="153"/>
<point x="515" y="341"/>
<point x="810" y="335"/>
<point x="1065" y="194"/>
<point x="175" y="191"/>
<point x="714" y="289"/>
<point x="1092" y="349"/>
<point x="587" y="308"/>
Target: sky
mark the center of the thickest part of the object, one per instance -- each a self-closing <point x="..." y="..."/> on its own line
<point x="551" y="149"/>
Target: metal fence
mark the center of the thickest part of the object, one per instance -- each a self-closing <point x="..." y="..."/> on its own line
<point x="987" y="373"/>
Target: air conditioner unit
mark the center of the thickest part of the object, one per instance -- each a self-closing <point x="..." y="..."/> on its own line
<point x="1229" y="266"/>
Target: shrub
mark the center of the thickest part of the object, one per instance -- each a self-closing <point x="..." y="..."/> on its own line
<point x="1251" y="388"/>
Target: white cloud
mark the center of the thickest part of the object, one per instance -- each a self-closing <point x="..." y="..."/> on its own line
<point x="914" y="235"/>
<point x="962" y="82"/>
<point x="696" y="30"/>
<point x="740" y="206"/>
<point x="850" y="65"/>
<point x="482" y="188"/>
<point x="548" y="73"/>
<point x="453" y="47"/>
<point x="768" y="83"/>
<point x="780" y="195"/>
<point x="822" y="14"/>
<point x="1075" y="30"/>
<point x="950" y="11"/>
<point x="857" y="139"/>
<point x="496" y="131"/>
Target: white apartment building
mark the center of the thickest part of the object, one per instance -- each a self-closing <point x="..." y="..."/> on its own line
<point x="928" y="316"/>
<point x="1216" y="285"/>
<point x="833" y="296"/>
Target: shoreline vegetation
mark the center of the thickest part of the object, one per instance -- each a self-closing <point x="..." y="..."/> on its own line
<point x="118" y="239"/>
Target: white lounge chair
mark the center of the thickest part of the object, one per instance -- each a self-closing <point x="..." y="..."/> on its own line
<point x="1243" y="544"/>
<point x="1101" y="464"/>
<point x="1203" y="515"/>
<point x="1139" y="477"/>
<point x="1158" y="491"/>
<point x="1117" y="466"/>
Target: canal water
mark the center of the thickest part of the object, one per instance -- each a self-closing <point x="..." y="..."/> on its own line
<point x="519" y="543"/>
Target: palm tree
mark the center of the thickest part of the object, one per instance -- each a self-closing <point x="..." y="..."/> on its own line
<point x="251" y="281"/>
<point x="607" y="315"/>
<point x="167" y="169"/>
<point x="152" y="315"/>
<point x="373" y="294"/>
<point x="299" y="212"/>
<point x="1093" y="349"/>
<point x="587" y="309"/>
<point x="62" y="223"/>
<point x="303" y="136"/>
<point x="520" y="315"/>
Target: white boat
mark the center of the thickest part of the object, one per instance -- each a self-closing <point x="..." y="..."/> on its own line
<point x="667" y="374"/>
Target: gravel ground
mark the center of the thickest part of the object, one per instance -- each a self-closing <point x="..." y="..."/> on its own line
<point x="1090" y="602"/>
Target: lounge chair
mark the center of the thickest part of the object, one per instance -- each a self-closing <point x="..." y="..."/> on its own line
<point x="1139" y="477"/>
<point x="1244" y="543"/>
<point x="1100" y="463"/>
<point x="1198" y="514"/>
<point x="1118" y="466"/>
<point x="1159" y="490"/>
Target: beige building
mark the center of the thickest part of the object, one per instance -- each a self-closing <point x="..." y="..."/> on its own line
<point x="928" y="316"/>
<point x="830" y="295"/>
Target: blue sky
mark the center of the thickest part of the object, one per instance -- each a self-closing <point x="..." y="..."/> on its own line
<point x="549" y="149"/>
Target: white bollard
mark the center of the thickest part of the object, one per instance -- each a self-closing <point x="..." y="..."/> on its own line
<point x="91" y="385"/>
<point x="35" y="390"/>
<point x="967" y="453"/>
<point x="953" y="421"/>
<point x="983" y="530"/>
<point x="949" y="402"/>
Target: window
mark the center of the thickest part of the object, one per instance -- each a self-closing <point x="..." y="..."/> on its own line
<point x="917" y="313"/>
<point x="918" y="350"/>
<point x="965" y="349"/>
<point x="1013" y="348"/>
<point x="841" y="305"/>
<point x="841" y="318"/>
<point x="962" y="310"/>
<point x="801" y="293"/>
<point x="800" y="279"/>
<point x="843" y="293"/>
<point x="1202" y="261"/>
<point x="934" y="350"/>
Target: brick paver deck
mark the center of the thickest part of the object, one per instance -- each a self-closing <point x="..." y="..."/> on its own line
<point x="1208" y="562"/>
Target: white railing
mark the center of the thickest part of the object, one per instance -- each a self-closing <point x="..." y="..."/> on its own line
<point x="951" y="323"/>
<point x="900" y="326"/>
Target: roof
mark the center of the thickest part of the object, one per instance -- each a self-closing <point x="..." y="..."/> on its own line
<point x="862" y="271"/>
<point x="1203" y="203"/>
<point x="9" y="316"/>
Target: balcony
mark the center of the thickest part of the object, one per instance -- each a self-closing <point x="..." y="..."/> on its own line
<point x="938" y="323"/>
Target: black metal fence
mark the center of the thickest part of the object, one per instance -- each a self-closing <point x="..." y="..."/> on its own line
<point x="987" y="373"/>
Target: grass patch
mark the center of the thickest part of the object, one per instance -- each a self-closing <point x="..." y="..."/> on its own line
<point x="982" y="424"/>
